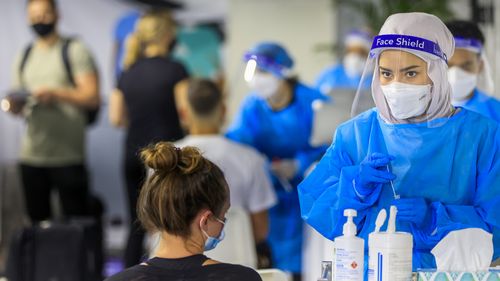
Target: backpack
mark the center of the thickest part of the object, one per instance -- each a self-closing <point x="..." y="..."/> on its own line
<point x="91" y="114"/>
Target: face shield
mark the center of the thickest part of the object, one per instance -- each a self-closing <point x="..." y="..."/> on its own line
<point x="463" y="79"/>
<point x="357" y="44"/>
<point x="409" y="83"/>
<point x="329" y="114"/>
<point x="263" y="75"/>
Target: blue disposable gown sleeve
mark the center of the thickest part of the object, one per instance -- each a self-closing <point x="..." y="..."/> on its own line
<point x="484" y="210"/>
<point x="241" y="129"/>
<point x="328" y="191"/>
<point x="306" y="158"/>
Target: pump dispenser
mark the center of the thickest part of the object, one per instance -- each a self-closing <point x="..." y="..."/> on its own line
<point x="349" y="228"/>
<point x="349" y="251"/>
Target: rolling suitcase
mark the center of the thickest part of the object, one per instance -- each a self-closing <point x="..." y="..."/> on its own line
<point x="57" y="251"/>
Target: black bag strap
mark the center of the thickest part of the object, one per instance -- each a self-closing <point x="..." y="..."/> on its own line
<point x="64" y="55"/>
<point x="66" y="61"/>
<point x="22" y="64"/>
<point x="91" y="113"/>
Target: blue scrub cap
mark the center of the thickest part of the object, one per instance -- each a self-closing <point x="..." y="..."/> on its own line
<point x="270" y="57"/>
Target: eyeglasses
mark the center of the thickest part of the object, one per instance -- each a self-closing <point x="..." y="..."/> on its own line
<point x="223" y="220"/>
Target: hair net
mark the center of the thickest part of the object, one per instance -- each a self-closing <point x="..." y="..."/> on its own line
<point x="431" y="28"/>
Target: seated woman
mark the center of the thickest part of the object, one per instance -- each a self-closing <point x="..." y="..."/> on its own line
<point x="438" y="164"/>
<point x="185" y="199"/>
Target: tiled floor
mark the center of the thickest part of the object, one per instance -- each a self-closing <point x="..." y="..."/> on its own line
<point x="115" y="240"/>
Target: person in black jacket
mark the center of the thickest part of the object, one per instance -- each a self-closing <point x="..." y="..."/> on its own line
<point x="185" y="199"/>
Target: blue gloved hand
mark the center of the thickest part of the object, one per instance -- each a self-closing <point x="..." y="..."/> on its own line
<point x="414" y="210"/>
<point x="372" y="173"/>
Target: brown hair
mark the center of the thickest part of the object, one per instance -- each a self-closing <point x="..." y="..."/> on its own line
<point x="203" y="96"/>
<point x="182" y="183"/>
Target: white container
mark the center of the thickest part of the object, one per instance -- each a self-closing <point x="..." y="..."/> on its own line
<point x="390" y="253"/>
<point x="349" y="252"/>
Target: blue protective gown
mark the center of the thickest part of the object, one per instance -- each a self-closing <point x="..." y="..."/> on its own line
<point x="335" y="77"/>
<point x="484" y="104"/>
<point x="456" y="167"/>
<point x="282" y="134"/>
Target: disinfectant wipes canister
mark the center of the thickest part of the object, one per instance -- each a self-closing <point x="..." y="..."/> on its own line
<point x="390" y="252"/>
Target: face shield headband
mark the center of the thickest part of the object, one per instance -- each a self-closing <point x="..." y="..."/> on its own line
<point x="484" y="80"/>
<point x="265" y="63"/>
<point x="469" y="44"/>
<point x="358" y="38"/>
<point x="398" y="41"/>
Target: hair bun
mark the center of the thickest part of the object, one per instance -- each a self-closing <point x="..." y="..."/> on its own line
<point x="165" y="157"/>
<point x="191" y="160"/>
<point x="162" y="156"/>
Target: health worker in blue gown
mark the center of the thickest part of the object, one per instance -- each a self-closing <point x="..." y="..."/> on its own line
<point x="276" y="118"/>
<point x="438" y="164"/>
<point x="346" y="75"/>
<point x="469" y="71"/>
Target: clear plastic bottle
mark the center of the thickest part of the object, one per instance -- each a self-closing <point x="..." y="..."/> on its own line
<point x="349" y="252"/>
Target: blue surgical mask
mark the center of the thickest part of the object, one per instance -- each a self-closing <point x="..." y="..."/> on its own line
<point x="212" y="242"/>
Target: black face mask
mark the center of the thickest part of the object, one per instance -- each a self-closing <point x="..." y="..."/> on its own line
<point x="43" y="29"/>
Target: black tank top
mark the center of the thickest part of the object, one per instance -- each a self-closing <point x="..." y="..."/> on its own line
<point x="186" y="269"/>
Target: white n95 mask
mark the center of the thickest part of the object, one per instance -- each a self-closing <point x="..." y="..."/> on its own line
<point x="407" y="100"/>
<point x="265" y="85"/>
<point x="462" y="84"/>
<point x="354" y="64"/>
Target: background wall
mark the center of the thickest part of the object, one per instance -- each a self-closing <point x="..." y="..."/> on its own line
<point x="300" y="25"/>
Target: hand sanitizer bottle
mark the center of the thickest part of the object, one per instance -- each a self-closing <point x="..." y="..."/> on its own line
<point x="349" y="252"/>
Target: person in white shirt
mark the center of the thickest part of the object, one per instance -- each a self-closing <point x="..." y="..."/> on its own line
<point x="202" y="110"/>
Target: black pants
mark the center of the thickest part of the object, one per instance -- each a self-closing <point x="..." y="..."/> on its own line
<point x="71" y="182"/>
<point x="135" y="173"/>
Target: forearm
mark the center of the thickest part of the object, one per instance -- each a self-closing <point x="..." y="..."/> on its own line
<point x="78" y="97"/>
<point x="260" y="226"/>
<point x="119" y="122"/>
<point x="84" y="94"/>
<point x="118" y="116"/>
